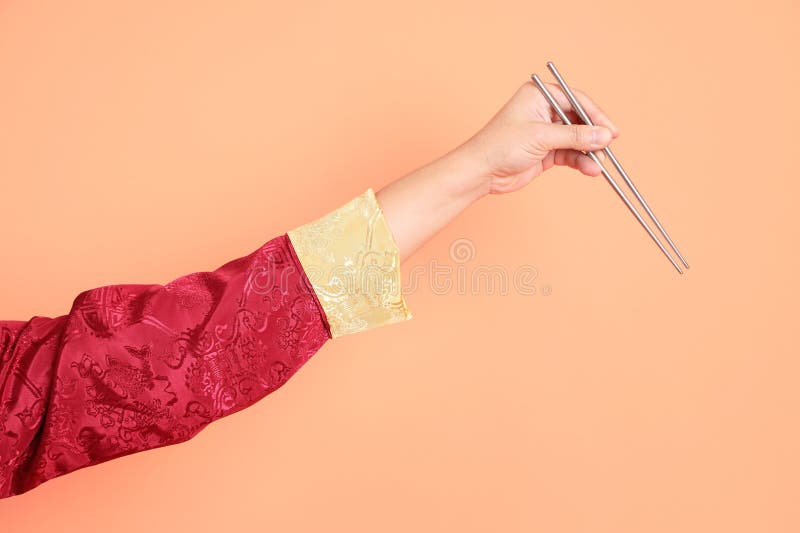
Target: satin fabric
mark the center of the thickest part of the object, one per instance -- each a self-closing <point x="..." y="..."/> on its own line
<point x="353" y="263"/>
<point x="134" y="367"/>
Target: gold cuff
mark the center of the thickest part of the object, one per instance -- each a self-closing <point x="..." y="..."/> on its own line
<point x="353" y="263"/>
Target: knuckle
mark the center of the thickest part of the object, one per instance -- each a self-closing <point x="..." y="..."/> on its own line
<point x="576" y="134"/>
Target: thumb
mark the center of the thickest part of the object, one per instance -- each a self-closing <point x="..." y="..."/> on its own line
<point x="575" y="136"/>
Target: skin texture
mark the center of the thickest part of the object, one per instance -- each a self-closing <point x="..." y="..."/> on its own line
<point x="522" y="140"/>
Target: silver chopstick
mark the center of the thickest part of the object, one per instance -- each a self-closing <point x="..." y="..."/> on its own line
<point x="576" y="105"/>
<point x="593" y="155"/>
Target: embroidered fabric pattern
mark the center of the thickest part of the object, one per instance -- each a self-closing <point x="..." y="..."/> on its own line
<point x="137" y="367"/>
<point x="353" y="263"/>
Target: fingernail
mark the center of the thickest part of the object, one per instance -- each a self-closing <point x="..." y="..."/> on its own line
<point x="600" y="136"/>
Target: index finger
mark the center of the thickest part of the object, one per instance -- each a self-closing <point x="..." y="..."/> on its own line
<point x="597" y="115"/>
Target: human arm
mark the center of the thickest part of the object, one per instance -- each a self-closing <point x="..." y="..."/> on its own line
<point x="132" y="367"/>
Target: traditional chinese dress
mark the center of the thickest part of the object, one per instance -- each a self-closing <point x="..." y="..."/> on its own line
<point x="133" y="367"/>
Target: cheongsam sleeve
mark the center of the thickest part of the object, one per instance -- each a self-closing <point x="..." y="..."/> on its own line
<point x="133" y="367"/>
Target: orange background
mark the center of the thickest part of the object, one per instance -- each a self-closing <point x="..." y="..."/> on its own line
<point x="140" y="141"/>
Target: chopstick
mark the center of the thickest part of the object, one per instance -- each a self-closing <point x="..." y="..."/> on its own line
<point x="560" y="112"/>
<point x="576" y="105"/>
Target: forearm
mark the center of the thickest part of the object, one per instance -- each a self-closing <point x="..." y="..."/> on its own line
<point x="421" y="203"/>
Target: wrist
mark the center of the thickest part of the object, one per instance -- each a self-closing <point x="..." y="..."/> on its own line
<point x="464" y="173"/>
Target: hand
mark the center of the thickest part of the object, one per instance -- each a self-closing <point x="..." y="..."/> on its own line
<point x="526" y="137"/>
<point x="521" y="141"/>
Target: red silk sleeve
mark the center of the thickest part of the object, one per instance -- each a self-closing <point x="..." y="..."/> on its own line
<point x="134" y="367"/>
